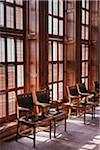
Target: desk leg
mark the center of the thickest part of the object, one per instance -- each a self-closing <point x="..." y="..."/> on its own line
<point x="65" y="123"/>
<point x="54" y="129"/>
<point x="50" y="129"/>
<point x="34" y="134"/>
<point x="17" y="131"/>
<point x="84" y="115"/>
<point x="92" y="112"/>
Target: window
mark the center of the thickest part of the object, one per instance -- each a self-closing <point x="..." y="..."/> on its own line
<point x="11" y="56"/>
<point x="84" y="40"/>
<point x="55" y="48"/>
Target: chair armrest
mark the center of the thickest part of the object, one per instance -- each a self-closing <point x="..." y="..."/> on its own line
<point x="85" y="94"/>
<point x="42" y="104"/>
<point x="74" y="97"/>
<point x="23" y="109"/>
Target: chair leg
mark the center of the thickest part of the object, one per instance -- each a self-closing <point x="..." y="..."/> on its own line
<point x="17" y="131"/>
<point x="34" y="134"/>
<point x="69" y="113"/>
<point x="84" y="116"/>
<point x="54" y="129"/>
<point x="94" y="111"/>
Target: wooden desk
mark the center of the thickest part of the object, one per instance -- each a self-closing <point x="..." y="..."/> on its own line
<point x="57" y="117"/>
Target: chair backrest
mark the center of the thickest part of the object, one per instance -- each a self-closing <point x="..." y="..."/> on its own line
<point x="43" y="96"/>
<point x="73" y="91"/>
<point x="97" y="86"/>
<point x="25" y="101"/>
<point x="82" y="88"/>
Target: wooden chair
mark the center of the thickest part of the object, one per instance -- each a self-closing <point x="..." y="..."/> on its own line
<point x="43" y="100"/>
<point x="87" y="95"/>
<point x="26" y="115"/>
<point x="52" y="108"/>
<point x="75" y="102"/>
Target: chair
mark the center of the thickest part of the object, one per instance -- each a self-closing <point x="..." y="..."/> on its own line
<point x="87" y="95"/>
<point x="75" y="102"/>
<point x="52" y="108"/>
<point x="43" y="100"/>
<point x="26" y="115"/>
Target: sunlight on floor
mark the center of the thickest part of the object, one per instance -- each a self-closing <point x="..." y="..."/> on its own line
<point x="91" y="144"/>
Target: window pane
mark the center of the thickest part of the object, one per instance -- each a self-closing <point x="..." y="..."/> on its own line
<point x="10" y="17"/>
<point x="86" y="33"/>
<point x="19" y="50"/>
<point x="54" y="91"/>
<point x="19" y="2"/>
<point x="10" y="1"/>
<point x="60" y="52"/>
<point x="11" y="77"/>
<point x="19" y="20"/>
<point x="2" y="78"/>
<point x="10" y="50"/>
<point x="60" y="27"/>
<point x="60" y="71"/>
<point x="83" y="16"/>
<point x="50" y="73"/>
<point x="84" y="69"/>
<point x="84" y="52"/>
<point x="54" y="51"/>
<point x="49" y="24"/>
<point x="2" y="49"/>
<point x="87" y="4"/>
<point x="20" y="91"/>
<point x="55" y="72"/>
<point x="83" y="32"/>
<point x="87" y="17"/>
<point x="83" y="3"/>
<point x="61" y="8"/>
<point x="20" y="76"/>
<point x="1" y="14"/>
<point x="60" y="86"/>
<point x="2" y="105"/>
<point x="55" y="26"/>
<point x="50" y="52"/>
<point x="55" y="7"/>
<point x="50" y="6"/>
<point x="11" y="102"/>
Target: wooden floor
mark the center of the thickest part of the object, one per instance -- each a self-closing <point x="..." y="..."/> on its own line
<point x="77" y="137"/>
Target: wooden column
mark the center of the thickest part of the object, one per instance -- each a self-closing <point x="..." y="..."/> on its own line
<point x="43" y="44"/>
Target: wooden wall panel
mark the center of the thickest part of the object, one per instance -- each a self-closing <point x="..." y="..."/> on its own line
<point x="70" y="44"/>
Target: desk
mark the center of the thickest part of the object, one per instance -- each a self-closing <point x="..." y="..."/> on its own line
<point x="56" y="117"/>
<point x="33" y="124"/>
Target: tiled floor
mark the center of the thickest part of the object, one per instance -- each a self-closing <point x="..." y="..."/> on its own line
<point x="77" y="137"/>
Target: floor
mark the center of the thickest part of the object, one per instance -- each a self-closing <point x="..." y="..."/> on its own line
<point x="77" y="137"/>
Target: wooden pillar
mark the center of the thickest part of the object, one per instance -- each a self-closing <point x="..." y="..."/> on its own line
<point x="43" y="44"/>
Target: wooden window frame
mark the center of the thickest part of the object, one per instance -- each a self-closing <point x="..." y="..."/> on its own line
<point x="15" y="34"/>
